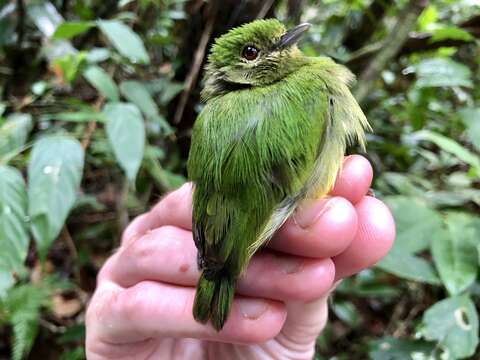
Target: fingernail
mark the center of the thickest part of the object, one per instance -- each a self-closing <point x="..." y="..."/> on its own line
<point x="307" y="217"/>
<point x="347" y="159"/>
<point x="252" y="309"/>
<point x="289" y="265"/>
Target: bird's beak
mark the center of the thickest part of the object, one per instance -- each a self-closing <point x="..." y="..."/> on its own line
<point x="292" y="36"/>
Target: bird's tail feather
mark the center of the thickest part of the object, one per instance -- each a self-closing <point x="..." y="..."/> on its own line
<point x="213" y="298"/>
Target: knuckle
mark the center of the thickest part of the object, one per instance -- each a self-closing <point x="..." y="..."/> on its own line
<point x="174" y="201"/>
<point x="131" y="304"/>
<point x="322" y="276"/>
<point x="166" y="232"/>
<point x="168" y="203"/>
<point x="149" y="249"/>
<point x="101" y="305"/>
<point x="140" y="249"/>
<point x="129" y="231"/>
<point x="106" y="269"/>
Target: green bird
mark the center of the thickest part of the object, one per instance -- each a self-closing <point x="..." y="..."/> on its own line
<point x="272" y="134"/>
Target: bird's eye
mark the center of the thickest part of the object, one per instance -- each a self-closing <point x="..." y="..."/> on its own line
<point x="250" y="52"/>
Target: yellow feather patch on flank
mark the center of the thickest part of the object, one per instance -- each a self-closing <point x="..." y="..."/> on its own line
<point x="345" y="124"/>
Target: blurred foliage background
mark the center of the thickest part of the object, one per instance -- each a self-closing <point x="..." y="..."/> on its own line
<point x="97" y="99"/>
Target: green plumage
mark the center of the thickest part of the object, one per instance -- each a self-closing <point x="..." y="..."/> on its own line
<point x="273" y="133"/>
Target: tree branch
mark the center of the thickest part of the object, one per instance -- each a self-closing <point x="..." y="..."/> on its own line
<point x="192" y="76"/>
<point x="267" y="5"/>
<point x="294" y="10"/>
<point x="417" y="41"/>
<point x="20" y="22"/>
<point x="392" y="45"/>
<point x="360" y="35"/>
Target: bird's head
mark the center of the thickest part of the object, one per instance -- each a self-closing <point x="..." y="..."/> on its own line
<point x="255" y="54"/>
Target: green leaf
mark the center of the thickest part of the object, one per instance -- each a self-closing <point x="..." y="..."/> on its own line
<point x="23" y="309"/>
<point x="458" y="197"/>
<point x="471" y="119"/>
<point x="455" y="255"/>
<point x="70" y="65"/>
<point x="427" y="18"/>
<point x="410" y="267"/>
<point x="164" y="87"/>
<point x="453" y="322"/>
<point x="14" y="133"/>
<point x="126" y="133"/>
<point x="347" y="312"/>
<point x="127" y="42"/>
<point x="54" y="174"/>
<point x="450" y="33"/>
<point x="78" y="116"/>
<point x="14" y="237"/>
<point x="402" y="183"/>
<point x="138" y="94"/>
<point x="389" y="348"/>
<point x="442" y="72"/>
<point x="451" y="146"/>
<point x="164" y="179"/>
<point x="39" y="88"/>
<point x="417" y="223"/>
<point x="100" y="80"/>
<point x="170" y="91"/>
<point x="68" y="30"/>
<point x="76" y="354"/>
<point x="97" y="55"/>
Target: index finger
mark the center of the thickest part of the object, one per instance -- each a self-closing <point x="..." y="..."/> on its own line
<point x="174" y="209"/>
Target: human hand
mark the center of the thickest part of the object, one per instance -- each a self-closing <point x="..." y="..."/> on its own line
<point x="142" y="307"/>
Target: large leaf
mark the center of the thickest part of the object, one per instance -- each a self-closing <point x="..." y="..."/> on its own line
<point x="126" y="133"/>
<point x="54" y="175"/>
<point x="97" y="55"/>
<point x="450" y="146"/>
<point x="471" y="119"/>
<point x="407" y="266"/>
<point x="442" y="72"/>
<point x="417" y="224"/>
<point x="453" y="322"/>
<point x="68" y="30"/>
<point x="427" y="18"/>
<point x="389" y="348"/>
<point x="14" y="133"/>
<point x="22" y="308"/>
<point x="165" y="89"/>
<point x="127" y="42"/>
<point x="455" y="254"/>
<point x="14" y="237"/>
<point x="138" y="94"/>
<point x="451" y="32"/>
<point x="99" y="79"/>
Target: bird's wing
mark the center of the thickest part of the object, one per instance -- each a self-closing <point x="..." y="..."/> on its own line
<point x="250" y="158"/>
<point x="345" y="124"/>
<point x="332" y="108"/>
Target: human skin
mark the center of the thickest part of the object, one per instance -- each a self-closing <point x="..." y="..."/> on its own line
<point x="142" y="307"/>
